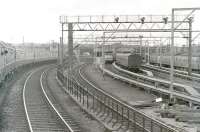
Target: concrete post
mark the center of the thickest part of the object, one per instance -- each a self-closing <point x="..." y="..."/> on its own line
<point x="160" y="54"/>
<point x="15" y="58"/>
<point x="60" y="51"/>
<point x="145" y="58"/>
<point x="172" y="58"/>
<point x="70" y="42"/>
<point x="58" y="54"/>
<point x="190" y="104"/>
<point x="103" y="57"/>
<point x="34" y="54"/>
<point x="190" y="47"/>
<point x="148" y="54"/>
<point x="61" y="47"/>
<point x="140" y="44"/>
<point x="95" y="52"/>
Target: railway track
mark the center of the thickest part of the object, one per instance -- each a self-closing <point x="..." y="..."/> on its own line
<point x="177" y="73"/>
<point x="179" y="76"/>
<point x="99" y="111"/>
<point x="12" y="108"/>
<point x="113" y="111"/>
<point x="12" y="111"/>
<point x="191" y="100"/>
<point x="42" y="112"/>
<point x="157" y="82"/>
<point x="66" y="118"/>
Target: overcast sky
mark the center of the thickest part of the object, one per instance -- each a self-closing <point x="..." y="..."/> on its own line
<point x="38" y="20"/>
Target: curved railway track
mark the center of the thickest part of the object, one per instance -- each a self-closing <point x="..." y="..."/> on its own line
<point x="42" y="112"/>
<point x="177" y="73"/>
<point x="189" y="99"/>
<point x="157" y="82"/>
<point x="179" y="76"/>
<point x="102" y="104"/>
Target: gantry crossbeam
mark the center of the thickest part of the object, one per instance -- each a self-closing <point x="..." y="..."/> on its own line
<point x="137" y="23"/>
<point x="118" y="18"/>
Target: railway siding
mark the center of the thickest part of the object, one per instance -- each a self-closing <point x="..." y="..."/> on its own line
<point x="192" y="100"/>
<point x="177" y="73"/>
<point x="189" y="89"/>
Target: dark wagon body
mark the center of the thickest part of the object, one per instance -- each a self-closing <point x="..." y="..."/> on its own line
<point x="129" y="61"/>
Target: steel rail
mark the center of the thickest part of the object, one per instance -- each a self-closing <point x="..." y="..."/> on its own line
<point x="177" y="72"/>
<point x="193" y="99"/>
<point x="159" y="81"/>
<point x="51" y="104"/>
<point x="24" y="100"/>
<point x="126" y="105"/>
<point x="96" y="98"/>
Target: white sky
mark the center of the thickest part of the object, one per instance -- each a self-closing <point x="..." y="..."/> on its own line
<point x="38" y="20"/>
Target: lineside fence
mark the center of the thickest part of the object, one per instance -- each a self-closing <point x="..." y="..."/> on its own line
<point x="100" y="102"/>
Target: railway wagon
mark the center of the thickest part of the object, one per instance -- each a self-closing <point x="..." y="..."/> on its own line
<point x="129" y="61"/>
<point x="180" y="62"/>
<point x="108" y="59"/>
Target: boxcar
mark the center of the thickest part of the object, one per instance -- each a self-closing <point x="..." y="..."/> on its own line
<point x="130" y="61"/>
